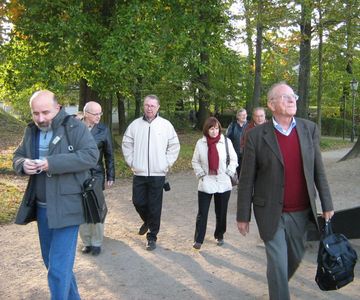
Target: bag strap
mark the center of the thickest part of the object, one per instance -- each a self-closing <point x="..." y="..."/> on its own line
<point x="64" y="124"/>
<point x="328" y="228"/>
<point x="227" y="152"/>
<point x="70" y="146"/>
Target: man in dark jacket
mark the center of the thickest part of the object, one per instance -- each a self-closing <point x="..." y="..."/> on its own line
<point x="282" y="166"/>
<point x="92" y="234"/>
<point x="235" y="131"/>
<point x="54" y="171"/>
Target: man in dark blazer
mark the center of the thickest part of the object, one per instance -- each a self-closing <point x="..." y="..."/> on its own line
<point x="281" y="167"/>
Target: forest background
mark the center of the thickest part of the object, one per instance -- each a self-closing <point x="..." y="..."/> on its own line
<point x="200" y="57"/>
<point x="186" y="52"/>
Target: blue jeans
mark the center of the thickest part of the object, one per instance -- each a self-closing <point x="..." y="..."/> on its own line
<point x="58" y="247"/>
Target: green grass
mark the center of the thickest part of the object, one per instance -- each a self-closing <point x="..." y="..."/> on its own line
<point x="10" y="200"/>
<point x="333" y="143"/>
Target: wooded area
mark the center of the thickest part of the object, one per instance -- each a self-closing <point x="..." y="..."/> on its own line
<point x="185" y="51"/>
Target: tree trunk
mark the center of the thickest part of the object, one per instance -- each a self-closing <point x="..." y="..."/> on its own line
<point x="138" y="97"/>
<point x="203" y="83"/>
<point x="121" y="112"/>
<point x="305" y="60"/>
<point x="87" y="94"/>
<point x="320" y="66"/>
<point x="354" y="152"/>
<point x="259" y="37"/>
<point x="250" y="56"/>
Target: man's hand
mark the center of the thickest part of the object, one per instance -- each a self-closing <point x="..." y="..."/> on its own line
<point x="327" y="215"/>
<point x="35" y="166"/>
<point x="110" y="183"/>
<point x="243" y="227"/>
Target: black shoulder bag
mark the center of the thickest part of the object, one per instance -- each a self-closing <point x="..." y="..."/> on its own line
<point x="336" y="260"/>
<point x="93" y="199"/>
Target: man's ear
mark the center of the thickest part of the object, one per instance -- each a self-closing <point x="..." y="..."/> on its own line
<point x="271" y="106"/>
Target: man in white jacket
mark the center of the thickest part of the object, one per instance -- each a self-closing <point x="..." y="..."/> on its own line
<point x="150" y="147"/>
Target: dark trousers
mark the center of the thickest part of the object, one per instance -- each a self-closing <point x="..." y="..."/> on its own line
<point x="221" y="201"/>
<point x="147" y="199"/>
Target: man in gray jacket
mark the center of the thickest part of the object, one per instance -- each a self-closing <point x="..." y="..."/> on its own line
<point x="150" y="147"/>
<point x="55" y="170"/>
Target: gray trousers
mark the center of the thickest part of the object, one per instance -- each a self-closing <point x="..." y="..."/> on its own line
<point x="285" y="252"/>
<point x="92" y="234"/>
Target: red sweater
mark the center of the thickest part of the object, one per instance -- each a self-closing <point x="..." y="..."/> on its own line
<point x="296" y="197"/>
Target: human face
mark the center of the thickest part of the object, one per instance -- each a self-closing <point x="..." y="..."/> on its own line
<point x="151" y="107"/>
<point x="259" y="117"/>
<point x="214" y="131"/>
<point x="93" y="114"/>
<point x="43" y="110"/>
<point x="241" y="117"/>
<point x="283" y="102"/>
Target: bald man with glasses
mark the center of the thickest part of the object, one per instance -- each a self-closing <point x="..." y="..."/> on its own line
<point x="92" y="234"/>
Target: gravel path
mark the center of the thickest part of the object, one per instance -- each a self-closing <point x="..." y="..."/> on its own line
<point x="125" y="270"/>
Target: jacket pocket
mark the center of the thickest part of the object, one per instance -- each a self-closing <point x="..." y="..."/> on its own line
<point x="70" y="189"/>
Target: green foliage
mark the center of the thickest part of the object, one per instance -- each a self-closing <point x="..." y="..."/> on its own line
<point x="141" y="47"/>
<point x="335" y="127"/>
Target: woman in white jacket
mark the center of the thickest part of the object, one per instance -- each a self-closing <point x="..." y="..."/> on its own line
<point x="209" y="164"/>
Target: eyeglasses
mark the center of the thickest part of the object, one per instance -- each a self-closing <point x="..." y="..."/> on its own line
<point x="97" y="114"/>
<point x="150" y="106"/>
<point x="288" y="97"/>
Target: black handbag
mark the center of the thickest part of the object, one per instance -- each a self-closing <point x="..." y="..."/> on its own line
<point x="93" y="201"/>
<point x="336" y="260"/>
<point x="27" y="209"/>
<point x="234" y="179"/>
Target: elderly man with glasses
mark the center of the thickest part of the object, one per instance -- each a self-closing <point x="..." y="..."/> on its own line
<point x="282" y="169"/>
<point x="92" y="234"/>
<point x="150" y="147"/>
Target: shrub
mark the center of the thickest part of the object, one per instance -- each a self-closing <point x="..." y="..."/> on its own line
<point x="334" y="127"/>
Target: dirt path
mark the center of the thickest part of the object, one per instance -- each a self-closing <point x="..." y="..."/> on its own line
<point x="125" y="270"/>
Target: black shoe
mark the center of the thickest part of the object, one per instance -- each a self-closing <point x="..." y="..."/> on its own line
<point x="86" y="249"/>
<point x="143" y="229"/>
<point x="220" y="242"/>
<point x="95" y="251"/>
<point x="197" y="246"/>
<point x="151" y="245"/>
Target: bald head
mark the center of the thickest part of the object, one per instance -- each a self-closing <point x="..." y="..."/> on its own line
<point x="44" y="107"/>
<point x="92" y="113"/>
<point x="91" y="105"/>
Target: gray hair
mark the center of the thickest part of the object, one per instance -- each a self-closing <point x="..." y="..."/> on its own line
<point x="154" y="97"/>
<point x="270" y="93"/>
<point x="241" y="110"/>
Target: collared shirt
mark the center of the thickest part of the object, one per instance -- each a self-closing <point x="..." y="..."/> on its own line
<point x="281" y="130"/>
